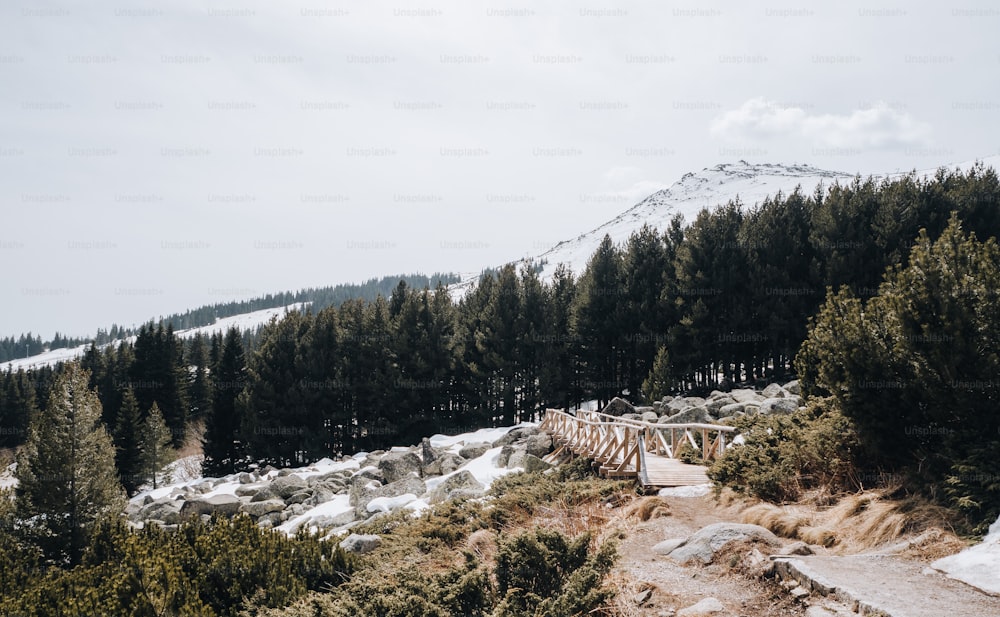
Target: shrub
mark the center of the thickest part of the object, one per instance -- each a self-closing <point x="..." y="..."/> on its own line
<point x="784" y="455"/>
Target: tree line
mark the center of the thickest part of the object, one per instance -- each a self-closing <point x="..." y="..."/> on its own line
<point x="25" y="345"/>
<point x="725" y="299"/>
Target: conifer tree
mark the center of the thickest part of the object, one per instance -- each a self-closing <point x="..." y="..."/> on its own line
<point x="155" y="442"/>
<point x="201" y="385"/>
<point x="222" y="427"/>
<point x="128" y="449"/>
<point x="597" y="318"/>
<point x="66" y="474"/>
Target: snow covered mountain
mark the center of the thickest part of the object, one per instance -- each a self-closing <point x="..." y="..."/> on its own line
<point x="704" y="189"/>
<point x="708" y="188"/>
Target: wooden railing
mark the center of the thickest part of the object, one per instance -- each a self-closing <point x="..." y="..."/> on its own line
<point x="620" y="445"/>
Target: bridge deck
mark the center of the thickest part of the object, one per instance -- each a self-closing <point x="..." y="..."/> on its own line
<point x="662" y="472"/>
<point x="647" y="452"/>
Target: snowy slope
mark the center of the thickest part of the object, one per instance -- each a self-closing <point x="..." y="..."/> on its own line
<point x="246" y="321"/>
<point x="688" y="196"/>
<point x="708" y="188"/>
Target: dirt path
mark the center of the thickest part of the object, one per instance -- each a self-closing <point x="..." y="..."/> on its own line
<point x="898" y="586"/>
<point x="675" y="587"/>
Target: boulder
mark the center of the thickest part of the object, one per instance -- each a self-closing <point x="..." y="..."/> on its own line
<point x="715" y="405"/>
<point x="539" y="445"/>
<point x="780" y="405"/>
<point x="334" y="520"/>
<point x="287" y="485"/>
<point x="164" y="509"/>
<point x="473" y="450"/>
<point x="408" y="485"/>
<point x="667" y="546"/>
<point x="462" y="480"/>
<point x="263" y="494"/>
<point x="746" y="396"/>
<point x="506" y="453"/>
<point x="630" y="416"/>
<point x="257" y="509"/>
<point x="528" y="462"/>
<point x="649" y="416"/>
<point x="694" y="401"/>
<point x="427" y="452"/>
<point x="693" y="415"/>
<point x="246" y="478"/>
<point x="363" y="487"/>
<point x="773" y="391"/>
<point x="226" y="505"/>
<point x="247" y="491"/>
<point x="367" y="473"/>
<point x="727" y="411"/>
<point x="706" y="606"/>
<point x="516" y="434"/>
<point x="359" y="544"/>
<point x="320" y="494"/>
<point x="300" y="497"/>
<point x="658" y="407"/>
<point x="675" y="405"/>
<point x="793" y="387"/>
<point x="397" y="465"/>
<point x="703" y="545"/>
<point x="617" y="407"/>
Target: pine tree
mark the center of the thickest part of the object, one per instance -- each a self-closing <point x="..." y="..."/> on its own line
<point x="128" y="455"/>
<point x="222" y="427"/>
<point x="155" y="440"/>
<point x="201" y="384"/>
<point x="597" y="315"/>
<point x="659" y="383"/>
<point x="66" y="474"/>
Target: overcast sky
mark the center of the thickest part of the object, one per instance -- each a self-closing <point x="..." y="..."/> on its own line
<point x="159" y="156"/>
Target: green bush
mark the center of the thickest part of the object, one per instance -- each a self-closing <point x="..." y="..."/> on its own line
<point x="197" y="570"/>
<point x="541" y="573"/>
<point x="784" y="455"/>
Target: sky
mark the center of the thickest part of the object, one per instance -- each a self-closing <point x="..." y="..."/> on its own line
<point x="155" y="157"/>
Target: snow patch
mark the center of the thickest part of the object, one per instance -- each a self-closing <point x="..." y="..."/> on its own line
<point x="686" y="491"/>
<point x="978" y="565"/>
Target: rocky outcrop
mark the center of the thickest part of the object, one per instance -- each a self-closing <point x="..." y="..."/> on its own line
<point x="360" y="544"/>
<point x="474" y="450"/>
<point x="617" y="407"/>
<point x="461" y="481"/>
<point x="224" y="505"/>
<point x="363" y="486"/>
<point x="397" y="465"/>
<point x="704" y="543"/>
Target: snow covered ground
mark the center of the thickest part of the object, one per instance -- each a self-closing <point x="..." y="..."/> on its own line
<point x="484" y="468"/>
<point x="978" y="565"/>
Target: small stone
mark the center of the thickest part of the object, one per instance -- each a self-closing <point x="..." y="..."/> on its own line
<point x="708" y="606"/>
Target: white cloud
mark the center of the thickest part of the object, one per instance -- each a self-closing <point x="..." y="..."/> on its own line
<point x="876" y="127"/>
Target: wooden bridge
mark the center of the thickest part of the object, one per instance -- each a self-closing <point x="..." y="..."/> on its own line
<point x="646" y="451"/>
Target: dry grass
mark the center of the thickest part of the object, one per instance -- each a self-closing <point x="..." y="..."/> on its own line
<point x="626" y="590"/>
<point x="483" y="544"/>
<point x="783" y="521"/>
<point x="648" y="508"/>
<point x="571" y="520"/>
<point x="855" y="523"/>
